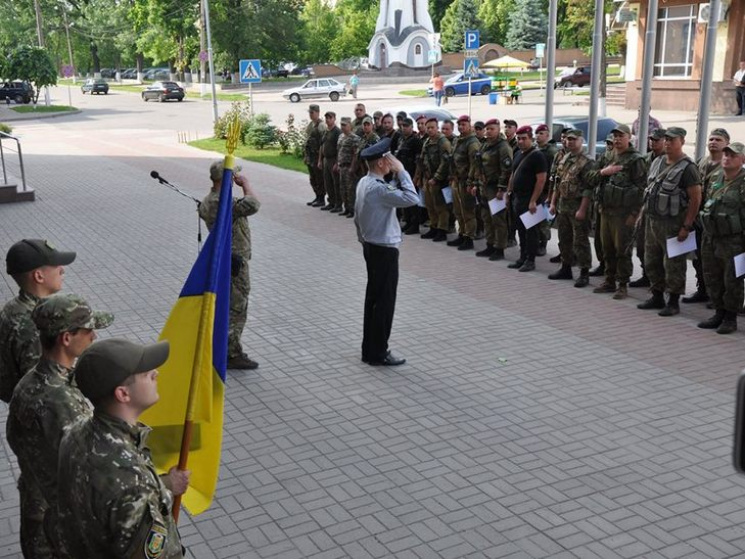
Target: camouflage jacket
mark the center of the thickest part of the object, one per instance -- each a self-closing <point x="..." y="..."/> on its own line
<point x="242" y="208"/>
<point x="347" y="148"/>
<point x="710" y="173"/>
<point x="465" y="149"/>
<point x="357" y="125"/>
<point x="313" y="136"/>
<point x="116" y="506"/>
<point x="20" y="349"/>
<point x="623" y="192"/>
<point x="436" y="159"/>
<point x="45" y="405"/>
<point x="572" y="183"/>
<point x="495" y="166"/>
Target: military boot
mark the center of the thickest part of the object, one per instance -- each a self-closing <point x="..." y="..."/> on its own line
<point x="598" y="272"/>
<point x="498" y="254"/>
<point x="656" y="301"/>
<point x="541" y="250"/>
<point x="606" y="287"/>
<point x="440" y="236"/>
<point x="429" y="234"/>
<point x="318" y="202"/>
<point x="488" y="251"/>
<point x="584" y="278"/>
<point x="528" y="266"/>
<point x="672" y="308"/>
<point x="467" y="244"/>
<point x="517" y="264"/>
<point x="555" y="259"/>
<point x="713" y="322"/>
<point x="242" y="362"/>
<point x="641" y="282"/>
<point x="459" y="240"/>
<point x="729" y="324"/>
<point x="563" y="273"/>
<point x="621" y="293"/>
<point x="699" y="296"/>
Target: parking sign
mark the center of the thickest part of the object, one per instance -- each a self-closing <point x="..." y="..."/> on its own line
<point x="472" y="39"/>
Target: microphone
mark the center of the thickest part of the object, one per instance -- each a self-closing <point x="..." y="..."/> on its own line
<point x="156" y="176"/>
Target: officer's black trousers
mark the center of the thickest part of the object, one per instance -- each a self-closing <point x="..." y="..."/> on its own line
<point x="380" y="300"/>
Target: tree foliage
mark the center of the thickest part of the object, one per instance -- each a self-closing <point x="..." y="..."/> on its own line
<point x="31" y="64"/>
<point x="320" y="29"/>
<point x="461" y="16"/>
<point x="495" y="18"/>
<point x="528" y="24"/>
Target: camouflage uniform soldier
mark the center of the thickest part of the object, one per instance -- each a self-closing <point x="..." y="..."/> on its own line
<point x="327" y="161"/>
<point x="435" y="172"/>
<point x="723" y="217"/>
<point x="359" y="116"/>
<point x="349" y="143"/>
<point x="38" y="270"/>
<point x="112" y="502"/>
<point x="493" y="168"/>
<point x="240" y="281"/>
<point x="465" y="148"/>
<point x="672" y="200"/>
<point x="597" y="219"/>
<point x="44" y="406"/>
<point x="620" y="194"/>
<point x="368" y="138"/>
<point x="313" y="134"/>
<point x="555" y="170"/>
<point x="572" y="199"/>
<point x="549" y="149"/>
<point x="710" y="167"/>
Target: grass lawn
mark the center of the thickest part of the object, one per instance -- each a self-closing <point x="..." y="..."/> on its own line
<point x="189" y="94"/>
<point x="269" y="156"/>
<point x="43" y="109"/>
<point x="414" y="92"/>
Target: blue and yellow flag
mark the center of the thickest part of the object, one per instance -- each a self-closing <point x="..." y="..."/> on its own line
<point x="192" y="382"/>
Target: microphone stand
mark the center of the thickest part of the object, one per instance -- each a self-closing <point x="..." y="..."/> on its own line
<point x="176" y="189"/>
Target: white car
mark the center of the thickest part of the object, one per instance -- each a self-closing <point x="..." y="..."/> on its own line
<point x="315" y="89"/>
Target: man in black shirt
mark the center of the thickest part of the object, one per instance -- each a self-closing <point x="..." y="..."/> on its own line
<point x="409" y="149"/>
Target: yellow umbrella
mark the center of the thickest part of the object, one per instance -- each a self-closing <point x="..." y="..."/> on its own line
<point x="505" y="62"/>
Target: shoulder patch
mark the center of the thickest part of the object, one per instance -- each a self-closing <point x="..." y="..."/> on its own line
<point x="507" y="162"/>
<point x="155" y="543"/>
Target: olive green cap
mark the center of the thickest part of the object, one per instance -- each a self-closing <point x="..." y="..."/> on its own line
<point x="574" y="133"/>
<point x="218" y="168"/>
<point x="675" y="132"/>
<point x="623" y="129"/>
<point x="65" y="312"/>
<point x="735" y="147"/>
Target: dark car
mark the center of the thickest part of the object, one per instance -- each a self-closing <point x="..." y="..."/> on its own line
<point x="95" y="85"/>
<point x="579" y="78"/>
<point x="162" y="91"/>
<point x="605" y="126"/>
<point x="20" y="92"/>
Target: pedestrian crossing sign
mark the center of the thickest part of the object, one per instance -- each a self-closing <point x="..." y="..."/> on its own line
<point x="250" y="71"/>
<point x="471" y="68"/>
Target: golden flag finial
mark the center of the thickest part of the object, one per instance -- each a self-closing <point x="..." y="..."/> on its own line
<point x="234" y="132"/>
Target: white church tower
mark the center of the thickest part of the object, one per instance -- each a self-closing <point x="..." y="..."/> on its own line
<point x="403" y="35"/>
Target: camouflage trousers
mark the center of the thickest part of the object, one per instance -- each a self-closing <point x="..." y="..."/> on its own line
<point x="665" y="274"/>
<point x="348" y="182"/>
<point x="574" y="239"/>
<point x="34" y="541"/>
<point x="464" y="206"/>
<point x="331" y="182"/>
<point x="616" y="242"/>
<point x="240" y="287"/>
<point x="544" y="232"/>
<point x="725" y="290"/>
<point x="495" y="226"/>
<point x="315" y="175"/>
<point x="439" y="215"/>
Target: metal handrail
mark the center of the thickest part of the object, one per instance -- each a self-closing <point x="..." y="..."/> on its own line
<point x="3" y="136"/>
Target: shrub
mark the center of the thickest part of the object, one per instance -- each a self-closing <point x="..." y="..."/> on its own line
<point x="291" y="140"/>
<point x="5" y="128"/>
<point x="240" y="109"/>
<point x="258" y="132"/>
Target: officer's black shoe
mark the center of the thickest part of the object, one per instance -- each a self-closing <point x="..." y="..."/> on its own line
<point x="488" y="251"/>
<point x="528" y="266"/>
<point x="563" y="273"/>
<point x="313" y="201"/>
<point x="641" y="282"/>
<point x="699" y="297"/>
<point x="541" y="250"/>
<point x="672" y="308"/>
<point x="656" y="301"/>
<point x="389" y="360"/>
<point x="318" y="202"/>
<point x="729" y="324"/>
<point x="429" y="234"/>
<point x="467" y="244"/>
<point x="327" y="207"/>
<point x="555" y="259"/>
<point x="351" y="214"/>
<point x="497" y="255"/>
<point x="440" y="236"/>
<point x="584" y="278"/>
<point x="459" y="240"/>
<point x="598" y="272"/>
<point x="516" y="265"/>
<point x="336" y="210"/>
<point x="242" y="362"/>
<point x="713" y="322"/>
<point x="412" y="230"/>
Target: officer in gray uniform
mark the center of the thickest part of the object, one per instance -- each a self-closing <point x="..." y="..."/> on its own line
<point x="379" y="232"/>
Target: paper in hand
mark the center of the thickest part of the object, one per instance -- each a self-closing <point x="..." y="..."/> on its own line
<point x="676" y="248"/>
<point x="496" y="205"/>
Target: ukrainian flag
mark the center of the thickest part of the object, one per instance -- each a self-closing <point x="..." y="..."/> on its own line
<point x="192" y="382"/>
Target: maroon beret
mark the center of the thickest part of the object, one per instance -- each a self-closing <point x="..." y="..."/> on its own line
<point x="491" y="121"/>
<point x="525" y="130"/>
<point x="464" y="118"/>
<point x="541" y="128"/>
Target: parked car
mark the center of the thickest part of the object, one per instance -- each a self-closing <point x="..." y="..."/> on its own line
<point x="129" y="74"/>
<point x="20" y="92"/>
<point x="306" y="71"/>
<point x="579" y="77"/>
<point x="95" y="85"/>
<point x="458" y="85"/>
<point x="108" y="73"/>
<point x="319" y="88"/>
<point x="605" y="126"/>
<point x="162" y="91"/>
<point x="157" y="74"/>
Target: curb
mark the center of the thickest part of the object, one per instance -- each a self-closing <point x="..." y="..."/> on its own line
<point x="32" y="116"/>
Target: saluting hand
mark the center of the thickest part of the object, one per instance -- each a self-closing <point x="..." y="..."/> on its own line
<point x="396" y="165"/>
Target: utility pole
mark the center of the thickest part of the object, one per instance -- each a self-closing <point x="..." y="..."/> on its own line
<point x="69" y="43"/>
<point x="706" y="76"/>
<point x="597" y="61"/>
<point x="40" y="35"/>
<point x="650" y="43"/>
<point x="202" y="49"/>
<point x="551" y="64"/>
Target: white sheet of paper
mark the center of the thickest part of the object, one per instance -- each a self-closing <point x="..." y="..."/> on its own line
<point x="447" y="193"/>
<point x="739" y="265"/>
<point x="549" y="215"/>
<point x="421" y="203"/>
<point x="496" y="206"/>
<point x="675" y="248"/>
<point x="531" y="220"/>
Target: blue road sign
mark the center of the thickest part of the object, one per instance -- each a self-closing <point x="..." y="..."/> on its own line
<point x="472" y="39"/>
<point x="470" y="67"/>
<point x="250" y="71"/>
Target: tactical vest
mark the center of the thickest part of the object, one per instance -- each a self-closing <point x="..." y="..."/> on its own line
<point x="618" y="190"/>
<point x="432" y="156"/>
<point x="724" y="213"/>
<point x="461" y="159"/>
<point x="664" y="197"/>
<point x="570" y="184"/>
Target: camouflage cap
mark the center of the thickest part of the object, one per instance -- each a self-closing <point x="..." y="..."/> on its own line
<point x="30" y="254"/>
<point x="609" y="139"/>
<point x="217" y="169"/>
<point x="721" y="132"/>
<point x="622" y="129"/>
<point x="314" y="108"/>
<point x="479" y="125"/>
<point x="367" y="120"/>
<point x="66" y="312"/>
<point x="346" y="120"/>
<point x="378" y="114"/>
<point x="108" y="363"/>
<point x="575" y="133"/>
<point x="675" y="132"/>
<point x="735" y="147"/>
<point x="657" y="134"/>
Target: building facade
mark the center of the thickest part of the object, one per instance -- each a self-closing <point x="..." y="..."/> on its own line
<point x="404" y="35"/>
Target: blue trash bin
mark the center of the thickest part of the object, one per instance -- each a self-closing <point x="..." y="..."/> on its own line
<point x="493" y="98"/>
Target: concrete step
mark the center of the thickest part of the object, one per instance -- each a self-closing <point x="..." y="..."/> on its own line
<point x="10" y="193"/>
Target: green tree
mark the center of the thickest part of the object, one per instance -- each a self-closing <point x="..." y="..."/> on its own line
<point x="31" y="64"/>
<point x="461" y="16"/>
<point x="437" y="9"/>
<point x="495" y="17"/>
<point x="320" y="29"/>
<point x="528" y="25"/>
<point x="356" y="27"/>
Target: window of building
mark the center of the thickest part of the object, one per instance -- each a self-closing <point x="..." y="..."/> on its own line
<point x="418" y="49"/>
<point x="676" y="35"/>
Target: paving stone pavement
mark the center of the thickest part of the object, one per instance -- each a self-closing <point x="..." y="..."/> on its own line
<point x="531" y="420"/>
